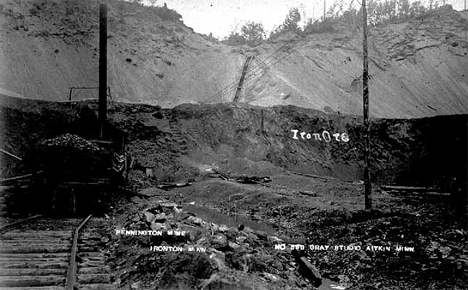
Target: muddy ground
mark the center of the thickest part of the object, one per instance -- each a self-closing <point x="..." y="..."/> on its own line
<point x="315" y="197"/>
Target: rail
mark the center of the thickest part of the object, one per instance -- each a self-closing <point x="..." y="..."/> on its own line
<point x="71" y="277"/>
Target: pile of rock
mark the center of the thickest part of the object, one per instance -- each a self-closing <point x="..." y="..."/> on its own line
<point x="71" y="141"/>
<point x="229" y="250"/>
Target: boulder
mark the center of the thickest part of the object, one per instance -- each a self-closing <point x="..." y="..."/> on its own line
<point x="271" y="277"/>
<point x="161" y="218"/>
<point x="219" y="241"/>
<point x="309" y="271"/>
<point x="218" y="258"/>
<point x="233" y="246"/>
<point x="158" y="226"/>
<point x="223" y="228"/>
<point x="240" y="240"/>
<point x="154" y="210"/>
<point x="196" y="220"/>
<point x="149" y="217"/>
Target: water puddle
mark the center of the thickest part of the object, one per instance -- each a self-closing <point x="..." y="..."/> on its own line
<point x="330" y="285"/>
<point x="230" y="221"/>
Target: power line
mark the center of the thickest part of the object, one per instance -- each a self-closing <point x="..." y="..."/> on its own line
<point x="253" y="73"/>
<point x="233" y="84"/>
<point x="255" y="69"/>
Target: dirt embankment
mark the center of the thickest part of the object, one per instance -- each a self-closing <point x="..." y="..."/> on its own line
<point x="49" y="46"/>
<point x="242" y="139"/>
<point x="182" y="143"/>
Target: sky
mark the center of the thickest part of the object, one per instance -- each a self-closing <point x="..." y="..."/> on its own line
<point x="220" y="17"/>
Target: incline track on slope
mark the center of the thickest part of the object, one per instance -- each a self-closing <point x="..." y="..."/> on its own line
<point x="42" y="253"/>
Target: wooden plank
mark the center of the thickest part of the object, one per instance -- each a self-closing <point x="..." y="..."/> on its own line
<point x="95" y="287"/>
<point x="36" y="238"/>
<point x="26" y="244"/>
<point x="11" y="155"/>
<point x="89" y="242"/>
<point x="311" y="175"/>
<point x="35" y="288"/>
<point x="93" y="258"/>
<point x="40" y="265"/>
<point x="35" y="255"/>
<point x="44" y="234"/>
<point x="437" y="193"/>
<point x="41" y="232"/>
<point x="94" y="270"/>
<point x="45" y="249"/>
<point x="30" y="281"/>
<point x="35" y="260"/>
<point x="404" y="188"/>
<point x="16" y="178"/>
<point x="32" y="272"/>
<point x="91" y="264"/>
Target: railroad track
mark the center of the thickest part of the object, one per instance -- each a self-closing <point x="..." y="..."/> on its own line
<point x="42" y="253"/>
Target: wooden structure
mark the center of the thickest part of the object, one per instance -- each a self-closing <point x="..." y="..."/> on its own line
<point x="241" y="81"/>
<point x="79" y="174"/>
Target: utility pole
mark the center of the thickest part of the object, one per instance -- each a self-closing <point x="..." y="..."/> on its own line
<point x="324" y="9"/>
<point x="102" y="67"/>
<point x="365" y="95"/>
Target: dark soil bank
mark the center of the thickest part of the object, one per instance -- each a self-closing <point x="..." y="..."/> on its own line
<point x="242" y="139"/>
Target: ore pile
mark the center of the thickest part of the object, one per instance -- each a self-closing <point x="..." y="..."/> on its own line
<point x="69" y="157"/>
<point x="71" y="141"/>
<point x="230" y="256"/>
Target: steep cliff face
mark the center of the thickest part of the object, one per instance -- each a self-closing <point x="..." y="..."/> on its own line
<point x="417" y="67"/>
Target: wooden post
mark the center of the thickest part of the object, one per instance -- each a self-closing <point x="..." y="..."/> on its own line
<point x="365" y="95"/>
<point x="324" y="9"/>
<point x="73" y="199"/>
<point x="102" y="67"/>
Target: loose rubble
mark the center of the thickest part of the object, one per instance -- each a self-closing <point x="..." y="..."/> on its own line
<point x="217" y="254"/>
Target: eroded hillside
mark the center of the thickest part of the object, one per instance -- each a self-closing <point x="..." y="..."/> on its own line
<point x="418" y="67"/>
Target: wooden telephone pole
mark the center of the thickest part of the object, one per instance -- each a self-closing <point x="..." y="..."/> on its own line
<point x="365" y="95"/>
<point x="102" y="67"/>
<point x="324" y="9"/>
